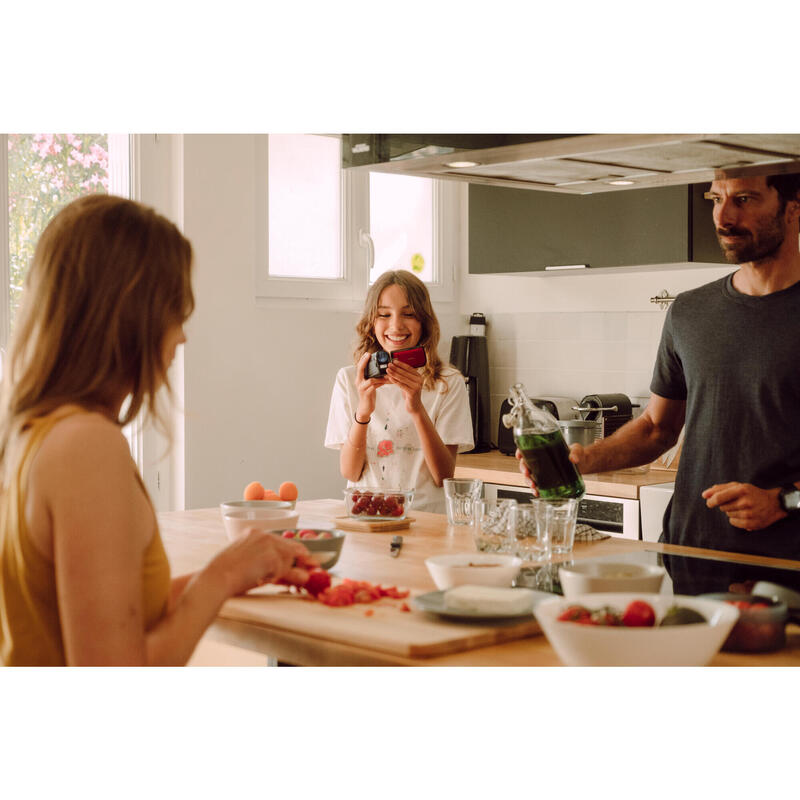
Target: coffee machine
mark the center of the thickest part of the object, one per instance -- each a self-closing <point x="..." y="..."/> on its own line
<point x="469" y="355"/>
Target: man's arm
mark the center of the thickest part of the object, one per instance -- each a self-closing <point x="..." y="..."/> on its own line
<point x="639" y="441"/>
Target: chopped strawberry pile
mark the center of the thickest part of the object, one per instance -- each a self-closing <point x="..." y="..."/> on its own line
<point x="348" y="592"/>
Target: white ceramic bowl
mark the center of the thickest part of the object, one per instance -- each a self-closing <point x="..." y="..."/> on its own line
<point x="671" y="646"/>
<point x="254" y="506"/>
<point x="477" y="569"/>
<point x="264" y="515"/>
<point x="598" y="576"/>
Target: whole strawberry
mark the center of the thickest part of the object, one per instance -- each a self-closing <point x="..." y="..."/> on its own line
<point x="639" y="614"/>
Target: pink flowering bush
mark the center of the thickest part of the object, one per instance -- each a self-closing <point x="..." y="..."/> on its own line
<point x="45" y="172"/>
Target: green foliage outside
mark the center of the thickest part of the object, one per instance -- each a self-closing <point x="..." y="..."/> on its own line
<point x="45" y="172"/>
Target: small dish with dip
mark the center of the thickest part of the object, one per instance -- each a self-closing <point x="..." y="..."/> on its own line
<point x="585" y="577"/>
<point x="476" y="569"/>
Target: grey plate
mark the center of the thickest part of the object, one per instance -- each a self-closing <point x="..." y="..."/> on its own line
<point x="433" y="602"/>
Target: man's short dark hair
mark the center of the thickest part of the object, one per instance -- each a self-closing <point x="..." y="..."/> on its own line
<point x="787" y="186"/>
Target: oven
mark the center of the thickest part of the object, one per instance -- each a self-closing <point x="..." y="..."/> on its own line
<point x="617" y="516"/>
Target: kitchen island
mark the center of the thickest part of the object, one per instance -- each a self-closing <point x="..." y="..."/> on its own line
<point x="291" y="629"/>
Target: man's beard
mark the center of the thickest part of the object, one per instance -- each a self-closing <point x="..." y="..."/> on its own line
<point x="768" y="238"/>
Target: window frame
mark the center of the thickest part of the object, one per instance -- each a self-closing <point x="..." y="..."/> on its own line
<point x="348" y="291"/>
<point x="146" y="444"/>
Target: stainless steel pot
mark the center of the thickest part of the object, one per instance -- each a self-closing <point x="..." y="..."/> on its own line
<point x="581" y="431"/>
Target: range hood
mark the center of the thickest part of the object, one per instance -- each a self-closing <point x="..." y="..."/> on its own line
<point x="575" y="163"/>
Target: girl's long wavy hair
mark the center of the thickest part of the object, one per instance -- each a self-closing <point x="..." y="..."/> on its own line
<point x="420" y="302"/>
<point x="108" y="279"/>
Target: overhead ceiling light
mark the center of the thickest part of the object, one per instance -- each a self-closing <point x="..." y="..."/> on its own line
<point x="462" y="164"/>
<point x="621" y="183"/>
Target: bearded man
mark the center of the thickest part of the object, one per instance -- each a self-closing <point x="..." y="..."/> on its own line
<point x="728" y="367"/>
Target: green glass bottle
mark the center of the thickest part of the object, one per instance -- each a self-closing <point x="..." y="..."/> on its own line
<point x="539" y="439"/>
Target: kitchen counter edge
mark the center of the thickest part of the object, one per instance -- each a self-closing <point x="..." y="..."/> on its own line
<point x="494" y="467"/>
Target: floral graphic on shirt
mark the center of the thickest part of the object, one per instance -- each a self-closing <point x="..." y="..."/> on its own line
<point x="385" y="447"/>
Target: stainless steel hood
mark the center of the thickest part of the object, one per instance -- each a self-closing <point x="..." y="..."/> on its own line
<point x="576" y="164"/>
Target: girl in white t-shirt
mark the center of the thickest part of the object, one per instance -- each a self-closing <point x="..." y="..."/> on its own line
<point x="401" y="431"/>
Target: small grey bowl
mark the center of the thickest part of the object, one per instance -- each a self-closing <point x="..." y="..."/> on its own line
<point x="327" y="551"/>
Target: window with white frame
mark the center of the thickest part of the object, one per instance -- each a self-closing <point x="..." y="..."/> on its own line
<point x="401" y="224"/>
<point x="304" y="208"/>
<point x="329" y="232"/>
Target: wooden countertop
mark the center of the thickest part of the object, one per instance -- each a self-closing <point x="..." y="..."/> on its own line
<point x="494" y="467"/>
<point x="192" y="538"/>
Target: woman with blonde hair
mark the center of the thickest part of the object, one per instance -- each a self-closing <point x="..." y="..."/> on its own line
<point x="84" y="579"/>
<point x="401" y="430"/>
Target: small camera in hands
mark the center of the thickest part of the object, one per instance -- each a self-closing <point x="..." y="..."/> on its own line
<point x="380" y="360"/>
<point x="376" y="366"/>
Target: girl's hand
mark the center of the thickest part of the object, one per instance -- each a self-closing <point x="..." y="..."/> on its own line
<point x="257" y="558"/>
<point x="410" y="381"/>
<point x="366" y="388"/>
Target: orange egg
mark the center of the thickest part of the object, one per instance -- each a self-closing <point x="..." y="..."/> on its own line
<point x="254" y="491"/>
<point x="287" y="491"/>
<point x="270" y="495"/>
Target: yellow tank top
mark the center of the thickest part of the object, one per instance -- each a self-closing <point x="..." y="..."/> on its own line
<point x="30" y="631"/>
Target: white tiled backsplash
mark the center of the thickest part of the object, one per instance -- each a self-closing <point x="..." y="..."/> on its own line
<point x="572" y="354"/>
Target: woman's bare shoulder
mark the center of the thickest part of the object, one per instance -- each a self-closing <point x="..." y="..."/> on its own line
<point x="82" y="436"/>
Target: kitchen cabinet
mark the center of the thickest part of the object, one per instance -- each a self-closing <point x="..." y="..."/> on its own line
<point x="520" y="230"/>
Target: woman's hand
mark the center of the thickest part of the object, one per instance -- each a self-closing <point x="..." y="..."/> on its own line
<point x="366" y="388"/>
<point x="410" y="381"/>
<point x="575" y="455"/>
<point x="747" y="506"/>
<point x="257" y="558"/>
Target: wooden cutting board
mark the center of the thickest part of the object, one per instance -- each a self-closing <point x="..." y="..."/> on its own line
<point x="413" y="634"/>
<point x="352" y="524"/>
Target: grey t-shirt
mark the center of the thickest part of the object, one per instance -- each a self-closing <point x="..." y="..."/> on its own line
<point x="735" y="359"/>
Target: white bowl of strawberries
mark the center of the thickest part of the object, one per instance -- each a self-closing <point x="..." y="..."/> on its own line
<point x="625" y="629"/>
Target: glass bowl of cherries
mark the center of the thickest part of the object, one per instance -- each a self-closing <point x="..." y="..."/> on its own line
<point x="374" y="504"/>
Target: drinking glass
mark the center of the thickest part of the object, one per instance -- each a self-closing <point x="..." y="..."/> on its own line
<point x="529" y="532"/>
<point x="460" y="494"/>
<point x="490" y="525"/>
<point x="561" y="516"/>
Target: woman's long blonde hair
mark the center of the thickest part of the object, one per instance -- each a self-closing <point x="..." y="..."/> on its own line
<point x="108" y="279"/>
<point x="420" y="302"/>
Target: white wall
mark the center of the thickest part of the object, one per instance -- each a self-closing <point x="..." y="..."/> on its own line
<point x="576" y="334"/>
<point x="257" y="380"/>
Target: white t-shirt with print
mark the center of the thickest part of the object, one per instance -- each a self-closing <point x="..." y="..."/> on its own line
<point x="394" y="458"/>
